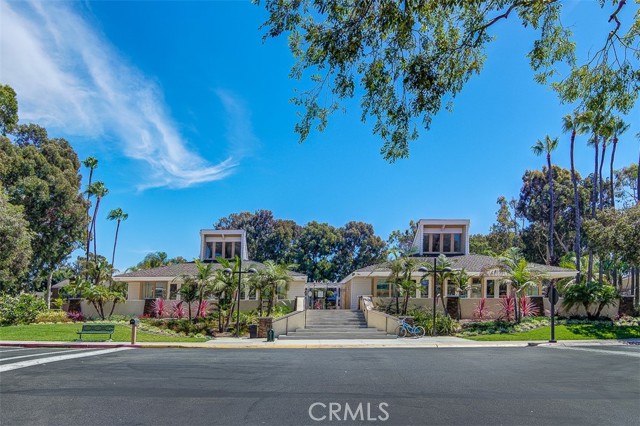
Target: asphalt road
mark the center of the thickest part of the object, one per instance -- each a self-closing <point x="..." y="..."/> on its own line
<point x="475" y="386"/>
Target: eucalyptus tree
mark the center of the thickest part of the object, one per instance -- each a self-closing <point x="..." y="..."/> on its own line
<point x="403" y="59"/>
<point x="120" y="216"/>
<point x="619" y="127"/>
<point x="547" y="147"/>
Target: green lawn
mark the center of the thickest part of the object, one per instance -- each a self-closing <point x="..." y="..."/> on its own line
<point x="568" y="332"/>
<point x="68" y="333"/>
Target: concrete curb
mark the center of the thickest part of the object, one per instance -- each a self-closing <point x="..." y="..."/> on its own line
<point x="315" y="344"/>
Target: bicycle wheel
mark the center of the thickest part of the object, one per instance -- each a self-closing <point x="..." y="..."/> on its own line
<point x="419" y="331"/>
<point x="401" y="331"/>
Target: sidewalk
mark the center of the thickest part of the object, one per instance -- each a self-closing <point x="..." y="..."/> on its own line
<point x="245" y="343"/>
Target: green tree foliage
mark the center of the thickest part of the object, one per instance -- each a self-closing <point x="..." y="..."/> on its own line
<point x="588" y="294"/>
<point x="518" y="274"/>
<point x="404" y="59"/>
<point x="403" y="239"/>
<point x="155" y="260"/>
<point x="8" y="109"/>
<point x="479" y="244"/>
<point x="15" y="246"/>
<point x="41" y="175"/>
<point x="358" y="247"/>
<point x="119" y="216"/>
<point x="315" y="250"/>
<point x="319" y="250"/>
<point x="626" y="185"/>
<point x="534" y="206"/>
<point x="504" y="232"/>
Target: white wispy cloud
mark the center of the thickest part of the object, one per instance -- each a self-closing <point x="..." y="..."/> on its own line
<point x="69" y="77"/>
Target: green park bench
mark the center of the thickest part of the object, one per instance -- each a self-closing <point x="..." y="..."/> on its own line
<point x="97" y="329"/>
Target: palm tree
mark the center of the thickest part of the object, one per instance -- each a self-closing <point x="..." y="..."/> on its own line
<point x="188" y="291"/>
<point x="91" y="163"/>
<point x="224" y="288"/>
<point x="275" y="279"/>
<point x="519" y="275"/>
<point x="576" y="124"/>
<point x="119" y="215"/>
<point x="98" y="190"/>
<point x="442" y="273"/>
<point x="203" y="279"/>
<point x="547" y="147"/>
<point x="619" y="127"/>
<point x="461" y="280"/>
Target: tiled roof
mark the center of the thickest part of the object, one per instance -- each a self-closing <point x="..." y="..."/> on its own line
<point x="189" y="268"/>
<point x="470" y="262"/>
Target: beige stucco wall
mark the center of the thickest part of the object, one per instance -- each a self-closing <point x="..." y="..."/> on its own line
<point x="359" y="286"/>
<point x="288" y="323"/>
<point x="468" y="306"/>
<point x="134" y="292"/>
<point x="296" y="289"/>
<point x="129" y="308"/>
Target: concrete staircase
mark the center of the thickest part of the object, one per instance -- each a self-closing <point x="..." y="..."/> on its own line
<point x="335" y="324"/>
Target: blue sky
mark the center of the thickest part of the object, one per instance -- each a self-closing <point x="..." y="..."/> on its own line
<point x="188" y="112"/>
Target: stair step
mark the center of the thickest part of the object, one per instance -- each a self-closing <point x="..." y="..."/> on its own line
<point x="335" y="336"/>
<point x="364" y="329"/>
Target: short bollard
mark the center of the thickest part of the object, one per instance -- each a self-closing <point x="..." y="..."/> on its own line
<point x="271" y="335"/>
<point x="134" y="325"/>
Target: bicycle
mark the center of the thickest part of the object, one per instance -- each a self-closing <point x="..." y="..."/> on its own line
<point x="405" y="329"/>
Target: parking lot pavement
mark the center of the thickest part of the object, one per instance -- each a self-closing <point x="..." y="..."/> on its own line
<point x="536" y="386"/>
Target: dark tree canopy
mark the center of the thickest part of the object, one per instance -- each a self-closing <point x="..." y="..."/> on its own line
<point x="406" y="59"/>
<point x="41" y="175"/>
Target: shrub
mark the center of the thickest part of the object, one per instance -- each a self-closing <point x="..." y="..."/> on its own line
<point x="507" y="308"/>
<point x="52" y="316"/>
<point x="75" y="316"/>
<point x="481" y="311"/>
<point x="445" y="325"/>
<point x="158" y="307"/>
<point x="528" y="308"/>
<point x="21" y="309"/>
<point x="280" y="311"/>
<point x="177" y="309"/>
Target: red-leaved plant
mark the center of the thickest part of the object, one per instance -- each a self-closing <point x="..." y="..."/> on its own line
<point x="178" y="309"/>
<point x="507" y="307"/>
<point x="203" y="308"/>
<point x="528" y="308"/>
<point x="75" y="316"/>
<point x="158" y="307"/>
<point x="481" y="310"/>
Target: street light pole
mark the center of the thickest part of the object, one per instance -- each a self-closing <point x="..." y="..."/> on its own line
<point x="239" y="290"/>
<point x="229" y="272"/>
<point x="435" y="282"/>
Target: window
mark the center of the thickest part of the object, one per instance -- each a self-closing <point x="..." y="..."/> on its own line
<point x="425" y="243"/>
<point x="228" y="253"/>
<point x="476" y="288"/>
<point x="237" y="249"/>
<point x="457" y="243"/>
<point x="532" y="290"/>
<point x="154" y="290"/>
<point x="491" y="287"/>
<point x="502" y="290"/>
<point x="382" y="289"/>
<point x="424" y="288"/>
<point x="173" y="291"/>
<point x="446" y="243"/>
<point x="451" y="288"/>
<point x="218" y="250"/>
<point x="209" y="251"/>
<point x="435" y="240"/>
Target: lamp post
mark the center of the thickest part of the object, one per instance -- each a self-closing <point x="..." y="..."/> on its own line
<point x="229" y="271"/>
<point x="435" y="282"/>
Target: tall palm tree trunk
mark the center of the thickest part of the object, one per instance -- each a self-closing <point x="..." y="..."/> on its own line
<point x="600" y="179"/>
<point x="551" y="227"/>
<point x="594" y="197"/>
<point x="93" y="229"/>
<point x="614" y="272"/>
<point x="89" y="224"/>
<point x="576" y="203"/>
<point x="115" y="242"/>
